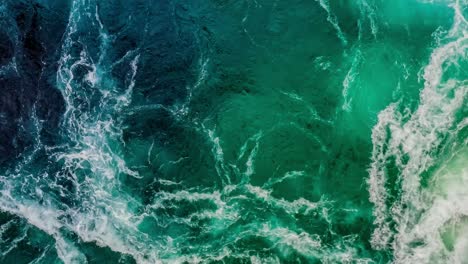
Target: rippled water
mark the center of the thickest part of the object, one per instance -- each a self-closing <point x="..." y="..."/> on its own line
<point x="219" y="131"/>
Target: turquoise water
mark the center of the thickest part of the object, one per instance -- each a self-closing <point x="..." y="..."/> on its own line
<point x="218" y="131"/>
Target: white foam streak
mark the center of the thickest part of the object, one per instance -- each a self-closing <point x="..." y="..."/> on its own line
<point x="218" y="154"/>
<point x="349" y="80"/>
<point x="333" y="20"/>
<point x="288" y="175"/>
<point x="300" y="205"/>
<point x="309" y="245"/>
<point x="368" y="12"/>
<point x="250" y="163"/>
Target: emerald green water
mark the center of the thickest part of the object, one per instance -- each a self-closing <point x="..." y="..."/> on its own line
<point x="318" y="131"/>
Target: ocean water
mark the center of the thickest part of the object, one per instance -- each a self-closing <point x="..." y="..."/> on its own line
<point x="222" y="131"/>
